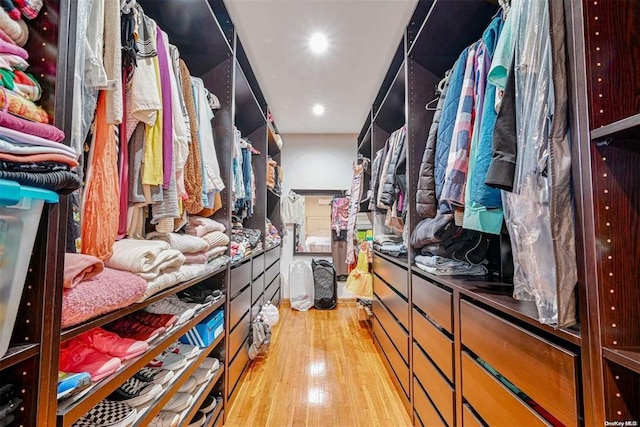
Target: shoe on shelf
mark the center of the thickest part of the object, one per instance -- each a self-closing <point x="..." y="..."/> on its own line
<point x="186" y="350"/>
<point x="172" y="305"/>
<point x="154" y="375"/>
<point x="109" y="413"/>
<point x="128" y="328"/>
<point x="72" y="383"/>
<point x="198" y="420"/>
<point x="210" y="363"/>
<point x="76" y="356"/>
<point x="165" y="419"/>
<point x="113" y="344"/>
<point x="179" y="402"/>
<point x="202" y="375"/>
<point x="7" y="392"/>
<point x="9" y="406"/>
<point x="189" y="386"/>
<point x="168" y="360"/>
<point x="7" y="420"/>
<point x="135" y="392"/>
<point x="208" y="405"/>
<point x="200" y="294"/>
<point x="155" y="320"/>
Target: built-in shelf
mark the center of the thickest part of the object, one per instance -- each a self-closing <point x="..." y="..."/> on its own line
<point x="71" y="413"/>
<point x="17" y="354"/>
<point x="499" y="296"/>
<point x="115" y="315"/>
<point x="201" y="393"/>
<point x="629" y="127"/>
<point x="629" y="357"/>
<point x="400" y="261"/>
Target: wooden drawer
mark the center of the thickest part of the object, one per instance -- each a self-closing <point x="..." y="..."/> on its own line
<point x="257" y="268"/>
<point x="495" y="403"/>
<point x="239" y="307"/>
<point x="416" y="420"/>
<point x="238" y="335"/>
<point x="237" y="365"/>
<point x="434" y="301"/>
<point x="271" y="273"/>
<point x="393" y="274"/>
<point x="271" y="256"/>
<point x="395" y="360"/>
<point x="438" y="389"/>
<point x="469" y="419"/>
<point x="435" y="343"/>
<point x="398" y="335"/>
<point x="394" y="302"/>
<point x="544" y="371"/>
<point x="424" y="408"/>
<point x="257" y="288"/>
<point x="240" y="277"/>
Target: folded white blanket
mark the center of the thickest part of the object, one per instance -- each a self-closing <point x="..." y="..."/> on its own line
<point x="161" y="283"/>
<point x="185" y="243"/>
<point x="216" y="238"/>
<point x="216" y="252"/>
<point x="199" y="226"/>
<point x="146" y="258"/>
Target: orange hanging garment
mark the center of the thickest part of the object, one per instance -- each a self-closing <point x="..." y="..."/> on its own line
<point x="100" y="211"/>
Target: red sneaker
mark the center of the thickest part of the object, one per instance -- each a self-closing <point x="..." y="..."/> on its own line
<point x="129" y="328"/>
<point x="154" y="319"/>
<point x="77" y="356"/>
<point x="113" y="344"/>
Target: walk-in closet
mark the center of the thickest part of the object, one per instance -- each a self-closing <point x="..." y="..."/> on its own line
<point x="319" y="213"/>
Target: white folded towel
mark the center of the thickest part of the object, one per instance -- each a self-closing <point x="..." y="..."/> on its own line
<point x="185" y="243"/>
<point x="146" y="258"/>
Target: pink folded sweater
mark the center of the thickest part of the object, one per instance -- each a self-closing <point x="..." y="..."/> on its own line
<point x="79" y="267"/>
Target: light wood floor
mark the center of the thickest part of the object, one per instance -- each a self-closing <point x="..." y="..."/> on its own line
<point x="322" y="369"/>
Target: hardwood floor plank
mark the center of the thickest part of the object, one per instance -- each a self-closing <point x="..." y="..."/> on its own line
<point x="322" y="369"/>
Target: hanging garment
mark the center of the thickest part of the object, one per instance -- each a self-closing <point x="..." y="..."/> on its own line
<point x="180" y="129"/>
<point x="113" y="60"/>
<point x="373" y="183"/>
<point x="539" y="213"/>
<point x="426" y="203"/>
<point x="354" y="206"/>
<point x="387" y="193"/>
<point x="458" y="160"/>
<point x="193" y="168"/>
<point x="292" y="209"/>
<point x="100" y="213"/>
<point x="339" y="213"/>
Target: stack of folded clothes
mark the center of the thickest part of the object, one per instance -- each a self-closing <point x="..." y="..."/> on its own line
<point x="31" y="152"/>
<point x="244" y="241"/>
<point x="214" y="235"/>
<point x="390" y="244"/>
<point x="152" y="260"/>
<point x="271" y="236"/>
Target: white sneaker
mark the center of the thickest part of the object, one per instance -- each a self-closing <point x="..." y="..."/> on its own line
<point x="208" y="405"/>
<point x="165" y="419"/>
<point x="189" y="386"/>
<point x="179" y="402"/>
<point x="186" y="350"/>
<point x="172" y="305"/>
<point x="202" y="375"/>
<point x="198" y="420"/>
<point x="210" y="363"/>
<point x="168" y="360"/>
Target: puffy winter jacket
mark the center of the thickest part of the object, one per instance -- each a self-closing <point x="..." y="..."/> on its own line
<point x="388" y="189"/>
<point x="375" y="176"/>
<point x="426" y="188"/>
<point x="448" y="120"/>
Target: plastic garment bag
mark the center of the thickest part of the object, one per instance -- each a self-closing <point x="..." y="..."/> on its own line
<point x="270" y="314"/>
<point x="301" y="285"/>
<point x="530" y="214"/>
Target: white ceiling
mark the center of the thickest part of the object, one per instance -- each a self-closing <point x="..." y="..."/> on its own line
<point x="363" y="36"/>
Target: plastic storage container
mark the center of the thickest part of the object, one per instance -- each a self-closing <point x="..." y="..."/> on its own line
<point x="20" y="210"/>
<point x="205" y="332"/>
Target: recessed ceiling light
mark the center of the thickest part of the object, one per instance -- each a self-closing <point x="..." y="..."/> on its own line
<point x="318" y="109"/>
<point x="318" y="43"/>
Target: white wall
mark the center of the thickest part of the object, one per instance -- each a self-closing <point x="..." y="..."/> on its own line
<point x="314" y="162"/>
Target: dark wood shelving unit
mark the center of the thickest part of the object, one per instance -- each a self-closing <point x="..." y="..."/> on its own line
<point x="105" y="387"/>
<point x="628" y="128"/>
<point x="203" y="395"/>
<point x="627" y="357"/>
<point x="17" y="354"/>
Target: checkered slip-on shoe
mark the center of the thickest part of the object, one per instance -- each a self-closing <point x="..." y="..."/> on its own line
<point x="109" y="413"/>
<point x="154" y="375"/>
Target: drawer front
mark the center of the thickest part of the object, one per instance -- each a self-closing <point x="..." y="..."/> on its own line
<point x="269" y="287"/>
<point x="257" y="288"/>
<point x="424" y="408"/>
<point x="495" y="403"/>
<point x="238" y="335"/>
<point x="257" y="267"/>
<point x="435" y="343"/>
<point x="393" y="274"/>
<point x="542" y="370"/>
<point x="397" y="363"/>
<point x="434" y="301"/>
<point x="438" y="389"/>
<point x="239" y="307"/>
<point x="398" y="336"/>
<point x="272" y="272"/>
<point x="469" y="419"/>
<point x="275" y="299"/>
<point x="240" y="277"/>
<point x="271" y="256"/>
<point x="238" y="365"/>
<point x="416" y="420"/>
<point x="394" y="302"/>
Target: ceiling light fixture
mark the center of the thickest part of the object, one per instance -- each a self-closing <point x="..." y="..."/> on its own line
<point x="318" y="43"/>
<point x="318" y="109"/>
